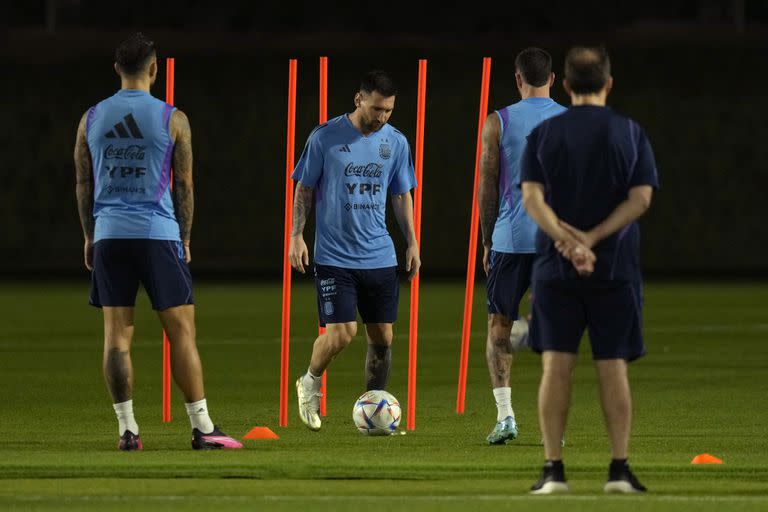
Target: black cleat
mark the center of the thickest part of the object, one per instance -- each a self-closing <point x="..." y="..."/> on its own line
<point x="552" y="479"/>
<point x="622" y="480"/>
<point x="216" y="440"/>
<point x="129" y="442"/>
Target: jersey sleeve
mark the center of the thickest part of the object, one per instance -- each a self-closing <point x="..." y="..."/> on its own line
<point x="403" y="177"/>
<point x="645" y="172"/>
<point x="530" y="166"/>
<point x="309" y="169"/>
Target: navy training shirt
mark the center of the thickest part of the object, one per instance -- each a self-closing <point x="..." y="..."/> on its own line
<point x="588" y="158"/>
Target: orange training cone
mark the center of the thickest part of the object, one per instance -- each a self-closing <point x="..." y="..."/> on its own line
<point x="706" y="458"/>
<point x="261" y="433"/>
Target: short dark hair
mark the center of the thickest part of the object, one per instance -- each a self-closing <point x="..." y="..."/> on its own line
<point x="380" y="81"/>
<point x="133" y="53"/>
<point x="587" y="69"/>
<point x="535" y="65"/>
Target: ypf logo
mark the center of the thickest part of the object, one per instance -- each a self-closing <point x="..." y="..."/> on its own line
<point x="363" y="188"/>
<point x="124" y="171"/>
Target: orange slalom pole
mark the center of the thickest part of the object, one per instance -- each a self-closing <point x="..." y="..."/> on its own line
<point x="469" y="292"/>
<point x="414" y="318"/>
<point x="286" y="326"/>
<point x="169" y="84"/>
<point x="323" y="118"/>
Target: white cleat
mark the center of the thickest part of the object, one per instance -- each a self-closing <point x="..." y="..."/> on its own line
<point x="552" y="487"/>
<point x="309" y="406"/>
<point x="621" y="487"/>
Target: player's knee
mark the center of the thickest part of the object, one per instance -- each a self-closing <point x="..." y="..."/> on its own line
<point x="380" y="335"/>
<point x="118" y="339"/>
<point x="342" y="335"/>
<point x="499" y="328"/>
<point x="558" y="370"/>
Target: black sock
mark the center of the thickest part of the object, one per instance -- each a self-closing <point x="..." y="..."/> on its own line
<point x="617" y="469"/>
<point x="556" y="468"/>
<point x="377" y="364"/>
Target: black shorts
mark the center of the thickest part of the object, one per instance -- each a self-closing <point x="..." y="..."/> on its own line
<point x="119" y="265"/>
<point x="509" y="277"/>
<point x="611" y="311"/>
<point x="342" y="292"/>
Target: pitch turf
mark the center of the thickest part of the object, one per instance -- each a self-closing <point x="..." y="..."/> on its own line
<point x="702" y="388"/>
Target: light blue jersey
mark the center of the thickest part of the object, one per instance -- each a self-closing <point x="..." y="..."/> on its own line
<point x="514" y="231"/>
<point x="352" y="175"/>
<point x="131" y="150"/>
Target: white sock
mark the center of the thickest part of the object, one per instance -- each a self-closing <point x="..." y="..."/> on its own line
<point x="311" y="382"/>
<point x="503" y="403"/>
<point x="198" y="416"/>
<point x="125" y="419"/>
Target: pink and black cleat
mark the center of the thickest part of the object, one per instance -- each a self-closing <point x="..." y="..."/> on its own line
<point x="129" y="442"/>
<point x="216" y="440"/>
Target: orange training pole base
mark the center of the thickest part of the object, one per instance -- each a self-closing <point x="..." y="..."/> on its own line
<point x="323" y="118"/>
<point x="169" y="84"/>
<point x="414" y="318"/>
<point x="469" y="292"/>
<point x="286" y="326"/>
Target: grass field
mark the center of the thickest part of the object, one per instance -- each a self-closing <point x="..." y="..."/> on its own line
<point x="702" y="388"/>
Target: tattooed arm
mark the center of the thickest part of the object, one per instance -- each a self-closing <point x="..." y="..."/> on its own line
<point x="183" y="193"/>
<point x="298" y="254"/>
<point x="488" y="189"/>
<point x="84" y="190"/>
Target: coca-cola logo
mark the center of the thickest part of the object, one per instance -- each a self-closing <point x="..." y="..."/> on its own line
<point x="371" y="170"/>
<point x="132" y="152"/>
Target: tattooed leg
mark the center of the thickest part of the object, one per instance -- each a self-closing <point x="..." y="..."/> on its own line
<point x="378" y="360"/>
<point x="118" y="369"/>
<point x="498" y="350"/>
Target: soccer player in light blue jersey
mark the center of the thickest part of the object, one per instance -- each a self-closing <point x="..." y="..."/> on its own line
<point x="508" y="233"/>
<point x="138" y="231"/>
<point x="351" y="164"/>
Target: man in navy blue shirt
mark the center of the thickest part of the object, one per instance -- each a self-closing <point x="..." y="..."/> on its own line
<point x="587" y="176"/>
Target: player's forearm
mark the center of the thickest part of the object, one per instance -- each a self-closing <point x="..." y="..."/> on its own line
<point x="84" y="193"/>
<point x="545" y="218"/>
<point x="488" y="204"/>
<point x="627" y="212"/>
<point x="402" y="206"/>
<point x="538" y="210"/>
<point x="302" y="205"/>
<point x="184" y="206"/>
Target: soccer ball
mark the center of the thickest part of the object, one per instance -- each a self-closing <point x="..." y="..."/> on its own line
<point x="518" y="337"/>
<point x="376" y="413"/>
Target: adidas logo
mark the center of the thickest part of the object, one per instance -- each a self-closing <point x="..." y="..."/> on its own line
<point x="345" y="149"/>
<point x="122" y="129"/>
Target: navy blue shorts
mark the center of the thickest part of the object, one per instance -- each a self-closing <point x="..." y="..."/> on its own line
<point x="509" y="277"/>
<point x="119" y="265"/>
<point x="611" y="311"/>
<point x="342" y="292"/>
